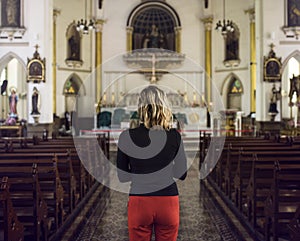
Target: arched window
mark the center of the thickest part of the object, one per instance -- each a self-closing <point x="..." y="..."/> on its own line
<point x="235" y="90"/>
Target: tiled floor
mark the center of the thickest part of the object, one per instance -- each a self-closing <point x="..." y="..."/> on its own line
<point x="199" y="217"/>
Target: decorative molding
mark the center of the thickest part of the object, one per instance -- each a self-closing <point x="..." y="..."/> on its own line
<point x="12" y="33"/>
<point x="208" y="23"/>
<point x="251" y="12"/>
<point x="292" y="42"/>
<point x="291" y="32"/>
<point x="77" y="70"/>
<point x="56" y="12"/>
<point x="219" y="70"/>
<point x="15" y="44"/>
<point x="99" y="24"/>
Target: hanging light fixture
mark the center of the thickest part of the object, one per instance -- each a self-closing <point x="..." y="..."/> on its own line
<point x="224" y="26"/>
<point x="83" y="25"/>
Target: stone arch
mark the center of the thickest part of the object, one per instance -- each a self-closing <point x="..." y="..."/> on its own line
<point x="286" y="111"/>
<point x="231" y="99"/>
<point x="20" y="84"/>
<point x="295" y="54"/>
<point x="8" y="57"/>
<point x="145" y="16"/>
<point x="73" y="89"/>
<point x="77" y="84"/>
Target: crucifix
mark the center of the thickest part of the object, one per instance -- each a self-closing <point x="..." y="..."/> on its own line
<point x="36" y="54"/>
<point x="153" y="77"/>
<point x="36" y="47"/>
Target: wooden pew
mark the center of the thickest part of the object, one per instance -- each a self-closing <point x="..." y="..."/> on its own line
<point x="260" y="181"/>
<point x="282" y="201"/>
<point x="28" y="201"/>
<point x="294" y="226"/>
<point x="49" y="179"/>
<point x="10" y="227"/>
<point x="243" y="181"/>
<point x="232" y="168"/>
<point x="58" y="174"/>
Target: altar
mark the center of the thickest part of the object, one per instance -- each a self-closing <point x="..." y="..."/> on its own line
<point x="11" y="131"/>
<point x="187" y="120"/>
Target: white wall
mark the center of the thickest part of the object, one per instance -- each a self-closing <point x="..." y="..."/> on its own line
<point x="37" y="19"/>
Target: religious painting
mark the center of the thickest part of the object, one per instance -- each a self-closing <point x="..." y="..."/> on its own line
<point x="36" y="68"/>
<point x="293" y="13"/>
<point x="272" y="67"/>
<point x="11" y="13"/>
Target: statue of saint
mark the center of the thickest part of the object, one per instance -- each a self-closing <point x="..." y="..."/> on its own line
<point x="276" y="95"/>
<point x="74" y="48"/>
<point x="154" y="39"/>
<point x="13" y="100"/>
<point x="35" y="101"/>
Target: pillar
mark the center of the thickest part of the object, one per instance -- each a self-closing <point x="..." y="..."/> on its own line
<point x="98" y="60"/>
<point x="56" y="12"/>
<point x="178" y="39"/>
<point x="253" y="63"/>
<point x="129" y="32"/>
<point x="208" y="68"/>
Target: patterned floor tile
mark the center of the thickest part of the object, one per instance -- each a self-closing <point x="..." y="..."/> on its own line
<point x="199" y="218"/>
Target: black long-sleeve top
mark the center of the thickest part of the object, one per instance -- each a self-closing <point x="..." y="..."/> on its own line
<point x="151" y="160"/>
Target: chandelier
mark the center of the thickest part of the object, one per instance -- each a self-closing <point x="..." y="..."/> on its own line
<point x="83" y="25"/>
<point x="224" y="26"/>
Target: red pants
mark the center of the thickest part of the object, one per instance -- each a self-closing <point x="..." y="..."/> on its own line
<point x="148" y="212"/>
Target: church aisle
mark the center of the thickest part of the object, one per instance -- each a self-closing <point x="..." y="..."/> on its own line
<point x="200" y="220"/>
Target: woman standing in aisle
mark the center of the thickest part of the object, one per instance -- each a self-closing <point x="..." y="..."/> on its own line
<point x="152" y="157"/>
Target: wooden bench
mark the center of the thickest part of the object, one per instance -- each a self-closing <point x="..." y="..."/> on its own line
<point x="243" y="179"/>
<point x="49" y="179"/>
<point x="282" y="201"/>
<point x="294" y="226"/>
<point x="27" y="201"/>
<point x="10" y="227"/>
<point x="62" y="178"/>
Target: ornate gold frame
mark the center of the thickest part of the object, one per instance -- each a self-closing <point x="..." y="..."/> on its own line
<point x="36" y="68"/>
<point x="272" y="67"/>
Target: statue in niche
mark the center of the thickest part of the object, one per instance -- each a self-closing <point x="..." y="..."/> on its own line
<point x="74" y="48"/>
<point x="154" y="39"/>
<point x="35" y="101"/>
<point x="13" y="100"/>
<point x="232" y="47"/>
<point x="275" y="96"/>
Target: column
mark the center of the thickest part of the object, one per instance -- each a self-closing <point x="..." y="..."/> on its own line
<point x="253" y="64"/>
<point x="129" y="31"/>
<point x="56" y="12"/>
<point x="178" y="39"/>
<point x="98" y="60"/>
<point x="208" y="69"/>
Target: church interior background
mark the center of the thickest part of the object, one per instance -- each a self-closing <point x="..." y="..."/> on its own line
<point x="230" y="68"/>
<point x="160" y="42"/>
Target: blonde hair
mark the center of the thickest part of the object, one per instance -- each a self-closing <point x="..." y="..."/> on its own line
<point x="154" y="109"/>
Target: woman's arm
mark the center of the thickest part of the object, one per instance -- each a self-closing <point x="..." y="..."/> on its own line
<point x="123" y="164"/>
<point x="180" y="161"/>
